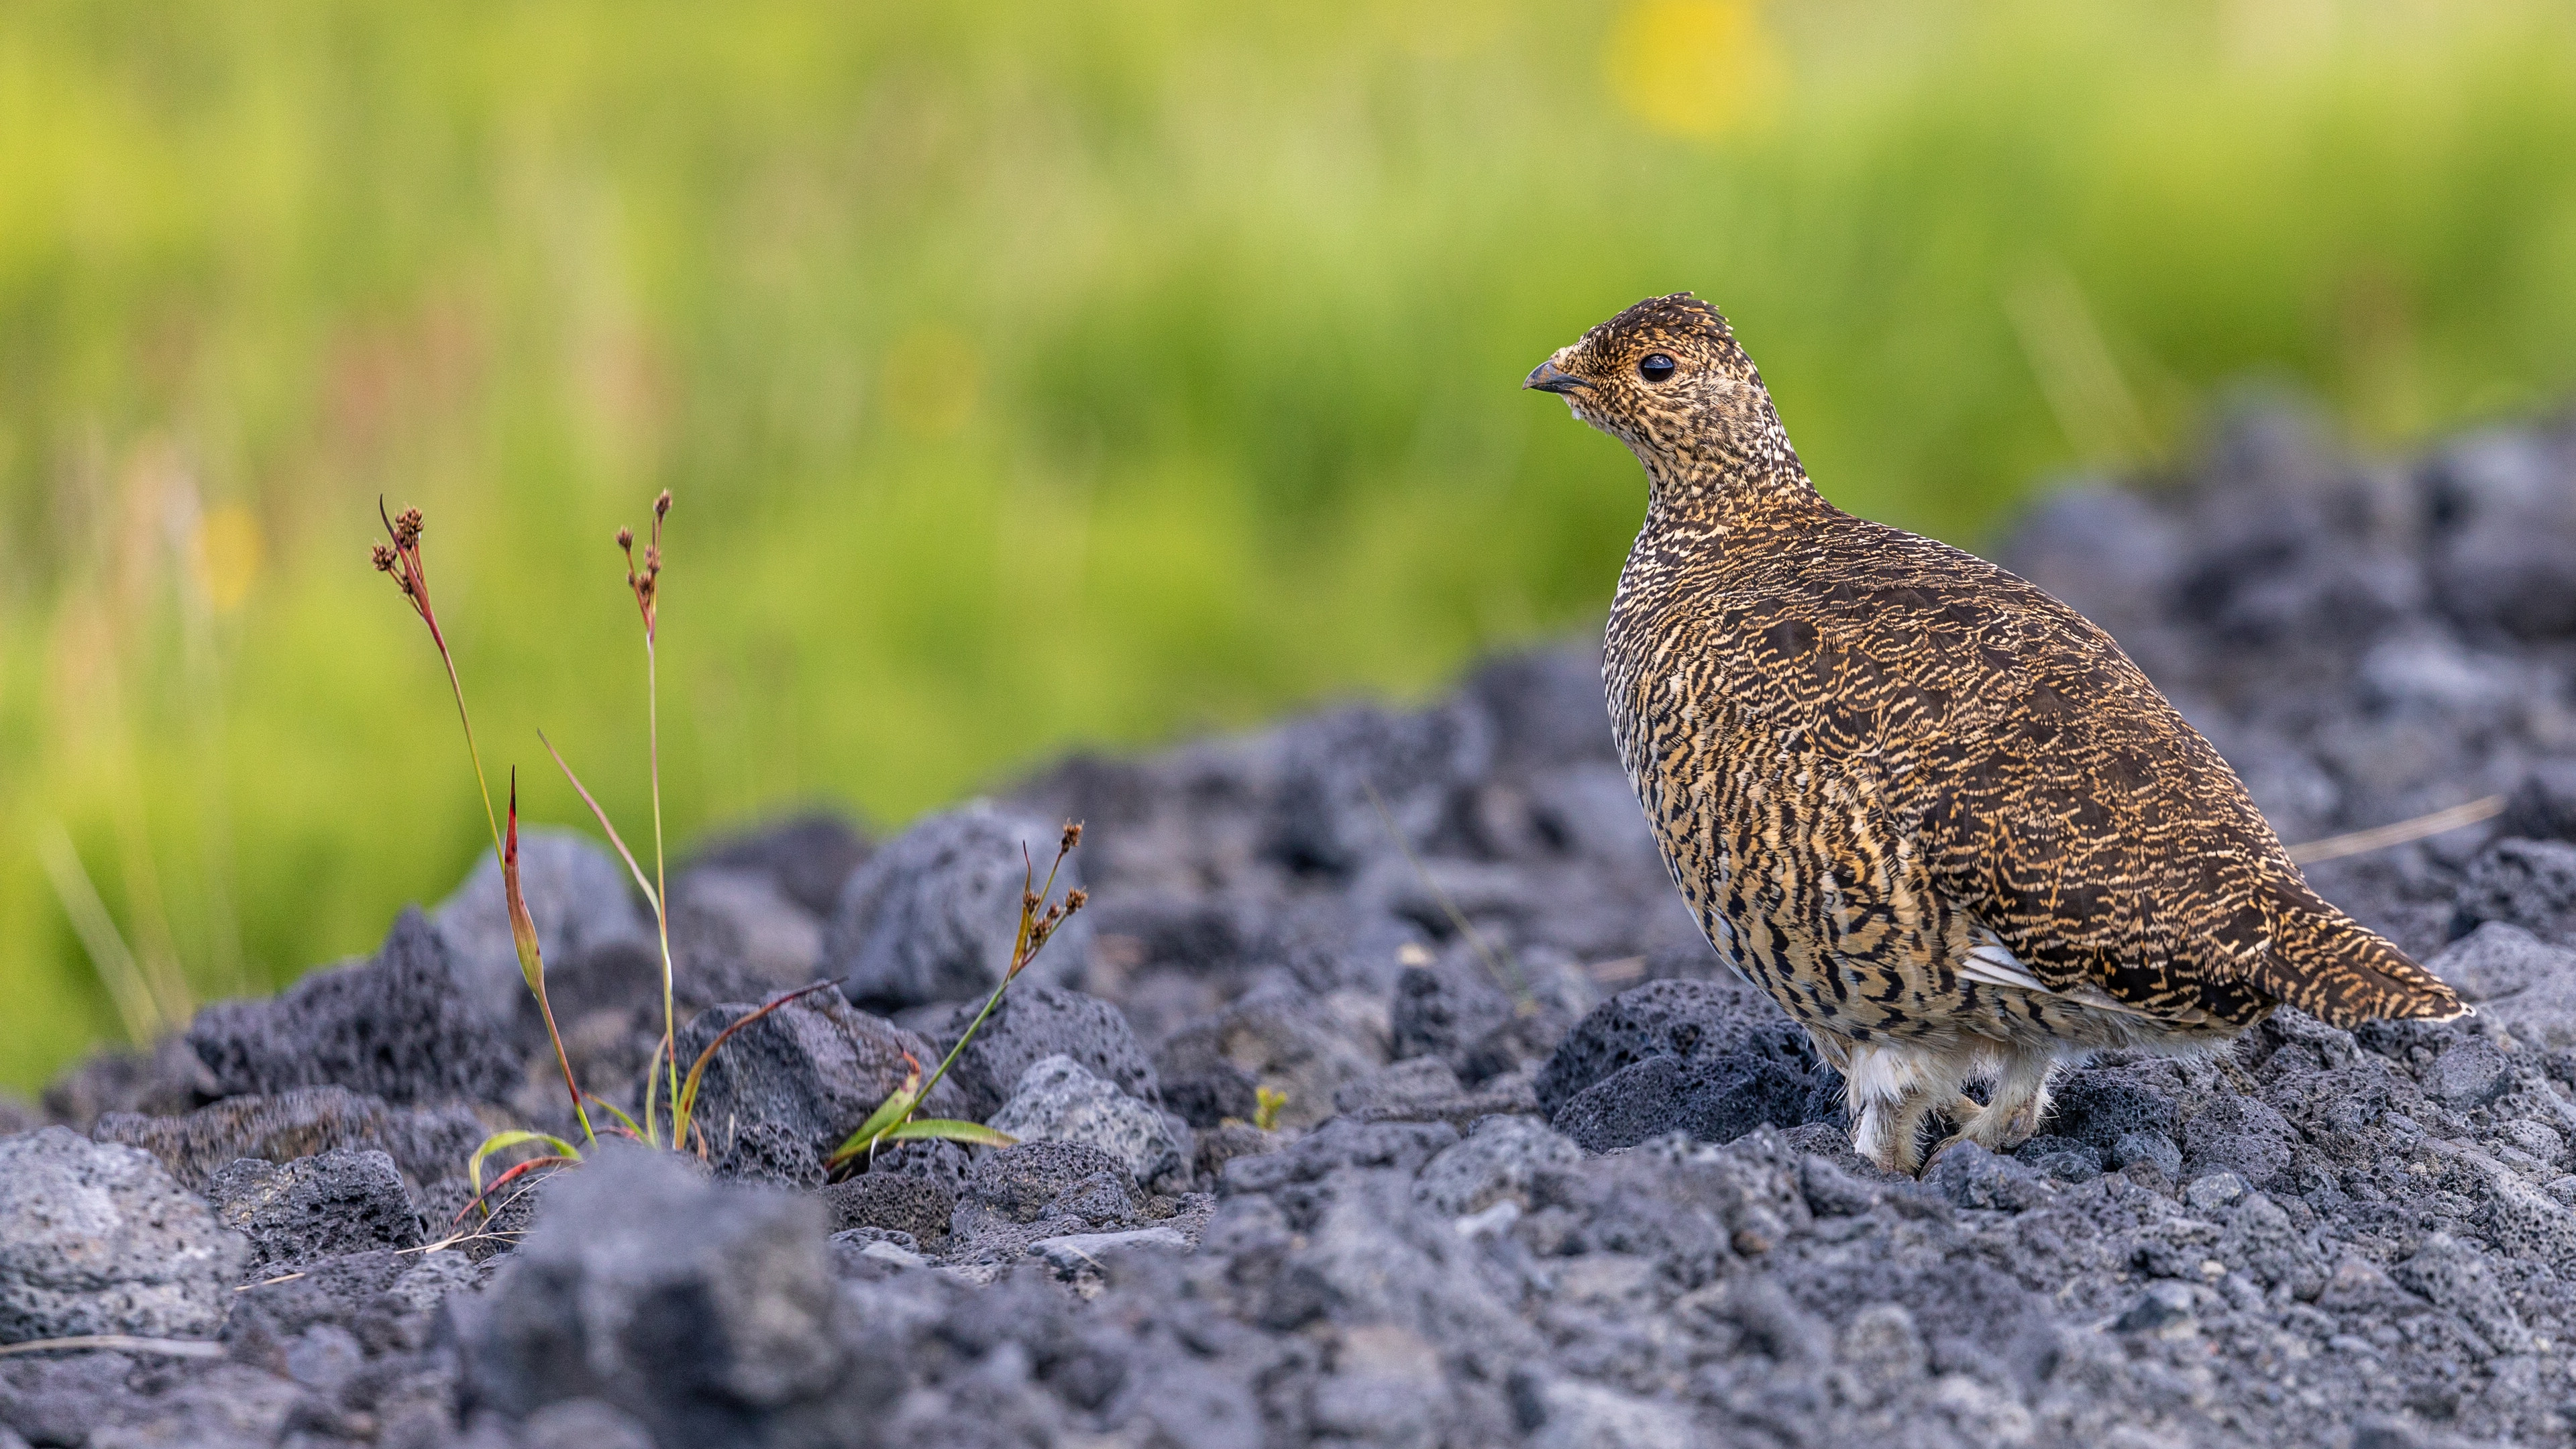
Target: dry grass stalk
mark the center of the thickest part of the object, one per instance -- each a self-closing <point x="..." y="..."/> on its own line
<point x="2381" y="837"/>
<point x="120" y="1343"/>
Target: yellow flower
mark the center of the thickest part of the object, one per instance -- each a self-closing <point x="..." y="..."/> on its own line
<point x="1694" y="68"/>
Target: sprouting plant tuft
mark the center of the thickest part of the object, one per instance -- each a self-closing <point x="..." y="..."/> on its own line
<point x="1266" y="1102"/>
<point x="1042" y="914"/>
<point x="671" y="1097"/>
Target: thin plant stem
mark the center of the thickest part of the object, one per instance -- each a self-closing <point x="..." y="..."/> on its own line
<point x="667" y="1046"/>
<point x="646" y="585"/>
<point x="2336" y="847"/>
<point x="579" y="1112"/>
<point x="651" y="897"/>
<point x="661" y="884"/>
<point x="1021" y="955"/>
<point x="401" y="558"/>
<point x="456" y="688"/>
<point x="403" y="561"/>
<point x="950" y="1060"/>
<point x="523" y="935"/>
<point x="1025" y="945"/>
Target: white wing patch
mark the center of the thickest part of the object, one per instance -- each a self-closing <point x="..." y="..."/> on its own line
<point x="1992" y="962"/>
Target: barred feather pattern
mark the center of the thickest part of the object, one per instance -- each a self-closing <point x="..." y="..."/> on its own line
<point x="1920" y="802"/>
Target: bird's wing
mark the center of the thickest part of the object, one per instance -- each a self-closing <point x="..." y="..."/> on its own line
<point x="1992" y="963"/>
<point x="2056" y="798"/>
<point x="2109" y="855"/>
<point x="2070" y="809"/>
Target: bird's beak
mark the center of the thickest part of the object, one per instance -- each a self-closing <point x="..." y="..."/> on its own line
<point x="1548" y="377"/>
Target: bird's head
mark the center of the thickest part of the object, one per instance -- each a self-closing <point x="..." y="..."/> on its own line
<point x="1667" y="378"/>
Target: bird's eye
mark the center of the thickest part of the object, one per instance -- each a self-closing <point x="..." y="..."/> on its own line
<point x="1655" y="367"/>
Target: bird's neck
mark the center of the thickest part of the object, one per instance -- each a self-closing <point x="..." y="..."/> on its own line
<point x="1729" y="477"/>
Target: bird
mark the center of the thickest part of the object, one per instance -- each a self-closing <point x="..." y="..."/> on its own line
<point x="1935" y="814"/>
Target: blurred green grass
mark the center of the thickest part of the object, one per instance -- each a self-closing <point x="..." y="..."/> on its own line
<point x="1031" y="376"/>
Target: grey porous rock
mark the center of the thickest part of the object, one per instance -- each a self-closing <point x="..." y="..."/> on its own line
<point x="782" y="1093"/>
<point x="427" y="1144"/>
<point x="707" y="1312"/>
<point x="932" y="915"/>
<point x="1035" y="1020"/>
<point x="1057" y="1100"/>
<point x="96" y="1238"/>
<point x="342" y="1201"/>
<point x="406" y="1026"/>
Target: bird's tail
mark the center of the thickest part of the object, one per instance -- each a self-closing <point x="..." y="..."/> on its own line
<point x="2334" y="968"/>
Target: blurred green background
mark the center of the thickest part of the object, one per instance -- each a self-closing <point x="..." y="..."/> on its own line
<point x="1031" y="375"/>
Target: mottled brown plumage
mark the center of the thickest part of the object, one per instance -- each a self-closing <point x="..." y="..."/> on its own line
<point x="1935" y="813"/>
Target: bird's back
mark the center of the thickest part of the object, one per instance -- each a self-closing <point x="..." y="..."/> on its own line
<point x="1854" y="740"/>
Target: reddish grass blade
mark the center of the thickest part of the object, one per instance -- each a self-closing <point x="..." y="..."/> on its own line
<point x="685" y="1109"/>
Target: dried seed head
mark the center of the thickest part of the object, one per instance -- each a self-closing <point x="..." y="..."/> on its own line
<point x="662" y="505"/>
<point x="407" y="528"/>
<point x="1075" y="899"/>
<point x="1072" y="835"/>
<point x="626" y="539"/>
<point x="384" y="559"/>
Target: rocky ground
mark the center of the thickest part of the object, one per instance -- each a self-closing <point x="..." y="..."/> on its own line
<point x="1540" y="1175"/>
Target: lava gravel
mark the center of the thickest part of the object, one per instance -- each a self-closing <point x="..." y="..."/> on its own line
<point x="1527" y="1169"/>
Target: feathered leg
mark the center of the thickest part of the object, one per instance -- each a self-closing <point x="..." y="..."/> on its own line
<point x="1888" y="1092"/>
<point x="2017" y="1105"/>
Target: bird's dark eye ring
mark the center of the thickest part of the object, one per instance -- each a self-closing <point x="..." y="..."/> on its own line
<point x="1655" y="367"/>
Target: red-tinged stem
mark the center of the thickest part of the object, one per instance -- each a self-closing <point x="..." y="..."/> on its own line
<point x="684" y="1106"/>
<point x="415" y="586"/>
<point x="532" y="962"/>
<point x="479" y="1199"/>
<point x="564" y="1062"/>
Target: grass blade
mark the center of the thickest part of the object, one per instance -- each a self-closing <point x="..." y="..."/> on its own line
<point x="500" y="1141"/>
<point x="504" y="1180"/>
<point x="109" y="956"/>
<point x="882" y="1120"/>
<point x="651" y="896"/>
<point x="2358" y="842"/>
<point x="949" y="1130"/>
<point x="897" y="1106"/>
<point x="623" y="1120"/>
<point x="686" y="1107"/>
<point x="532" y="961"/>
